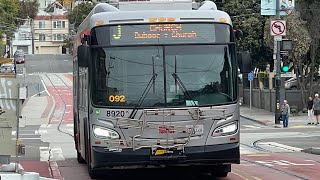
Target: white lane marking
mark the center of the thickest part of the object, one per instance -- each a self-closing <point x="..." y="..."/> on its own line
<point x="67" y="112"/>
<point x="281" y="146"/>
<point x="40" y="131"/>
<point x="65" y="60"/>
<point x="281" y="163"/>
<point x="28" y="138"/>
<point x="45" y="125"/>
<point x="56" y="154"/>
<point x="38" y="93"/>
<point x="13" y="133"/>
<point x="251" y="126"/>
<point x="68" y="105"/>
<point x="45" y="87"/>
<point x="44" y="153"/>
<point x="69" y="125"/>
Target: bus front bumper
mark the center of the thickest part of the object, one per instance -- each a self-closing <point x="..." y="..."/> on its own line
<point x="144" y="158"/>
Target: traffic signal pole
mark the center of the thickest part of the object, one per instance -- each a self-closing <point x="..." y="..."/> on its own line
<point x="278" y="71"/>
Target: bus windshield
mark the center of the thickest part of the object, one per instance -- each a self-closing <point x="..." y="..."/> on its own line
<point x="164" y="76"/>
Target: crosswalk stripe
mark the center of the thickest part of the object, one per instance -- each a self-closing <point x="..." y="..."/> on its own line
<point x="45" y="125"/>
<point x="251" y="126"/>
<point x="280" y="146"/>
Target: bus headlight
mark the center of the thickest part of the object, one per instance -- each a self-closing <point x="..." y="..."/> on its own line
<point x="226" y="129"/>
<point x="105" y="133"/>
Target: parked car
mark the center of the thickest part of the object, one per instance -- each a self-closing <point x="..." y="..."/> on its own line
<point x="19" y="52"/>
<point x="19" y="59"/>
<point x="7" y="68"/>
<point x="19" y="56"/>
<point x="292" y="83"/>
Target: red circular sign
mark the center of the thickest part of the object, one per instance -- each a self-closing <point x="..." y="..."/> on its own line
<point x="278" y="28"/>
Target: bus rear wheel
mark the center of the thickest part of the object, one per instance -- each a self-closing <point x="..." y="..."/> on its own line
<point x="80" y="158"/>
<point x="221" y="170"/>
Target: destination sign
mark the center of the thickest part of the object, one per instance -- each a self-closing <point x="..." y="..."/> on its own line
<point x="162" y="34"/>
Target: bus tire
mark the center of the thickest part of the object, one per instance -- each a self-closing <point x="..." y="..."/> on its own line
<point x="221" y="170"/>
<point x="221" y="174"/>
<point x="80" y="158"/>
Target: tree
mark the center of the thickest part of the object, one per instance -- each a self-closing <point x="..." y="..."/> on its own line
<point x="246" y="17"/>
<point x="9" y="10"/>
<point x="310" y="10"/>
<point x="75" y="17"/>
<point x="298" y="33"/>
<point x="79" y="13"/>
<point x="28" y="9"/>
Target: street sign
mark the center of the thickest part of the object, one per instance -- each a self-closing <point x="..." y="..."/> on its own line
<point x="278" y="28"/>
<point x="250" y="76"/>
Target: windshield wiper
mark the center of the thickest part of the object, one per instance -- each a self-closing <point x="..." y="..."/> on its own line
<point x="143" y="96"/>
<point x="183" y="87"/>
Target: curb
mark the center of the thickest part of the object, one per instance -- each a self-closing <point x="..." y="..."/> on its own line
<point x="312" y="150"/>
<point x="52" y="110"/>
<point x="251" y="119"/>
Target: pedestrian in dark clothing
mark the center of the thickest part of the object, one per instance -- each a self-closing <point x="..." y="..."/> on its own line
<point x="316" y="108"/>
<point x="285" y="112"/>
<point x="310" y="110"/>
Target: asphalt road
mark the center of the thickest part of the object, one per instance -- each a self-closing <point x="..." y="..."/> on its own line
<point x="40" y="64"/>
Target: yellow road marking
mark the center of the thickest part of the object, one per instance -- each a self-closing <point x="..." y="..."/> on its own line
<point x="245" y="174"/>
<point x="240" y="175"/>
<point x="302" y="126"/>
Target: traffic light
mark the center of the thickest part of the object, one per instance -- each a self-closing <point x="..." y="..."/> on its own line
<point x="285" y="63"/>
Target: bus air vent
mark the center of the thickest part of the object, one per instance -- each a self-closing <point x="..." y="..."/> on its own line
<point x="197" y="19"/>
<point x="125" y="20"/>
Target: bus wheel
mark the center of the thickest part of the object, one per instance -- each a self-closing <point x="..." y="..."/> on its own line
<point x="221" y="170"/>
<point x="80" y="158"/>
<point x="92" y="173"/>
<point x="221" y="174"/>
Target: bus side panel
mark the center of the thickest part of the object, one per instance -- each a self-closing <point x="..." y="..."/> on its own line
<point x="75" y="103"/>
<point x="82" y="115"/>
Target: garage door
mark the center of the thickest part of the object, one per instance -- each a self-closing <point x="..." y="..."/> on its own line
<point x="49" y="50"/>
<point x="24" y="48"/>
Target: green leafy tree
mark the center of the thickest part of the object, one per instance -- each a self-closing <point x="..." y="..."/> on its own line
<point x="296" y="31"/>
<point x="246" y="17"/>
<point x="75" y="17"/>
<point x="28" y="9"/>
<point x="310" y="10"/>
<point x="9" y="10"/>
<point x="79" y="13"/>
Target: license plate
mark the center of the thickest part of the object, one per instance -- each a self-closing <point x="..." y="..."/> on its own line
<point x="198" y="129"/>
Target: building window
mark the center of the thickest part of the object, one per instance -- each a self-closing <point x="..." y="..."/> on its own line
<point x="42" y="24"/>
<point x="57" y="37"/>
<point x="23" y="36"/>
<point x="42" y="37"/>
<point x="59" y="24"/>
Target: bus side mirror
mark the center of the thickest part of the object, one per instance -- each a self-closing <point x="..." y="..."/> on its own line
<point x="245" y="62"/>
<point x="83" y="54"/>
<point x="238" y="33"/>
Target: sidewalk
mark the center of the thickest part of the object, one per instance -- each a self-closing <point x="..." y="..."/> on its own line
<point x="37" y="110"/>
<point x="268" y="118"/>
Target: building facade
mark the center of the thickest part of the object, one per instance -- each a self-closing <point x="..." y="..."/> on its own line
<point x="51" y="28"/>
<point x="23" y="38"/>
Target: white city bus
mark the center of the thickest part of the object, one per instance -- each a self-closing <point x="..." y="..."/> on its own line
<point x="157" y="88"/>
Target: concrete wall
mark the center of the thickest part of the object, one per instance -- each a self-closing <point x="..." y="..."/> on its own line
<point x="265" y="99"/>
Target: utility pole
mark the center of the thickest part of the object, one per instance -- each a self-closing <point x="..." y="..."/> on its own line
<point x="32" y="35"/>
<point x="278" y="71"/>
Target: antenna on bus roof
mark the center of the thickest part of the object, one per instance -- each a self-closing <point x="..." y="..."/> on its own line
<point x="208" y="5"/>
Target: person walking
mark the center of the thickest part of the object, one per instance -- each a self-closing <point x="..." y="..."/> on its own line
<point x="285" y="112"/>
<point x="310" y="110"/>
<point x="316" y="108"/>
